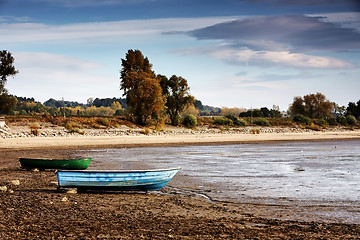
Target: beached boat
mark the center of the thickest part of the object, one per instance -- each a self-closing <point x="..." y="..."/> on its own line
<point x="122" y="180"/>
<point x="42" y="164"/>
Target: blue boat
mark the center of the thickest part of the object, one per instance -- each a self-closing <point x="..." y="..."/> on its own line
<point x="121" y="180"/>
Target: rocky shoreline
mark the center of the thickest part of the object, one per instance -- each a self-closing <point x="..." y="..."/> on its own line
<point x="21" y="130"/>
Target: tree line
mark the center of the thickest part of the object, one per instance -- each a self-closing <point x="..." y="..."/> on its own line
<point x="152" y="99"/>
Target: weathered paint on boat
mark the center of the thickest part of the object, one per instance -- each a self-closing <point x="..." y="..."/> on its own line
<point x="75" y="164"/>
<point x="123" y="180"/>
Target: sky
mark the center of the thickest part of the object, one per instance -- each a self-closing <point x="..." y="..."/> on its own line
<point x="233" y="53"/>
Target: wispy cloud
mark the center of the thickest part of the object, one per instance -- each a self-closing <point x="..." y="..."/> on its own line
<point x="307" y="2"/>
<point x="295" y="33"/>
<point x="34" y="32"/>
<point x="5" y="19"/>
<point x="248" y="57"/>
<point x="279" y="41"/>
<point x="89" y="3"/>
<point x="50" y="62"/>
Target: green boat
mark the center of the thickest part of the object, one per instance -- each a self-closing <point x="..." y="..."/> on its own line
<point x="42" y="164"/>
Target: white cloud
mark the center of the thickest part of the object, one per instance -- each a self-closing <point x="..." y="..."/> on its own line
<point x="250" y="57"/>
<point x="48" y="62"/>
<point x="344" y="19"/>
<point x="36" y="32"/>
<point x="295" y="32"/>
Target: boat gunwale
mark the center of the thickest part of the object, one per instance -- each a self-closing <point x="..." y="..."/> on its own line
<point x="120" y="171"/>
<point x="54" y="159"/>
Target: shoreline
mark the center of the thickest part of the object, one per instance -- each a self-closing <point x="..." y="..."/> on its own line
<point x="31" y="207"/>
<point x="170" y="139"/>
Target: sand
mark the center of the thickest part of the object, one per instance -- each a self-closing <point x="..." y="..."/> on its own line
<point x="170" y="139"/>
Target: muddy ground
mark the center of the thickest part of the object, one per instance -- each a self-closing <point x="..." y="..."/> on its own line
<point x="32" y="208"/>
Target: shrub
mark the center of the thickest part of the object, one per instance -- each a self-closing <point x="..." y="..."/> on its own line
<point x="341" y="120"/>
<point x="189" y="121"/>
<point x="236" y="121"/>
<point x="261" y="122"/>
<point x="145" y="131"/>
<point x="241" y="122"/>
<point x="314" y="127"/>
<point x="255" y="131"/>
<point x="70" y="124"/>
<point x="34" y="128"/>
<point x="223" y="121"/>
<point x="351" y="120"/>
<point x="331" y="121"/>
<point x="299" y="118"/>
<point x="76" y="130"/>
<point x="105" y="122"/>
<point x="322" y="122"/>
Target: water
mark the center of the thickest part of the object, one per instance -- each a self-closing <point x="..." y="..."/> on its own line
<point x="320" y="173"/>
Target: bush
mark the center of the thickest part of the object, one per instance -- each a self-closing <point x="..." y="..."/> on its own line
<point x="34" y="128"/>
<point x="322" y="123"/>
<point x="76" y="130"/>
<point x="223" y="121"/>
<point x="261" y="122"/>
<point x="351" y="120"/>
<point x="105" y="122"/>
<point x="341" y="120"/>
<point x="299" y="118"/>
<point x="237" y="121"/>
<point x="189" y="121"/>
<point x="70" y="124"/>
<point x="314" y="127"/>
<point x="331" y="121"/>
<point x="241" y="122"/>
<point x="255" y="131"/>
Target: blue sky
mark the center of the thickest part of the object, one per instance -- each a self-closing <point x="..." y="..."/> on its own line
<point x="233" y="53"/>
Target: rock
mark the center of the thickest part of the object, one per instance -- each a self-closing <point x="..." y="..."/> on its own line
<point x="3" y="188"/>
<point x="15" y="182"/>
<point x="64" y="199"/>
<point x="72" y="190"/>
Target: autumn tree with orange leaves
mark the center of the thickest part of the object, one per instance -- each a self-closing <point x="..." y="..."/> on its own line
<point x="142" y="89"/>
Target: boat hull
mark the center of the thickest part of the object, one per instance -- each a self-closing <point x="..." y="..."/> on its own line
<point x="71" y="164"/>
<point x="132" y="180"/>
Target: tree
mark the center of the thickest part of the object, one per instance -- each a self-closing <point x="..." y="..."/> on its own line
<point x="7" y="103"/>
<point x="298" y="106"/>
<point x="198" y="104"/>
<point x="142" y="89"/>
<point x="312" y="105"/>
<point x="353" y="109"/>
<point x="176" y="91"/>
<point x="337" y="110"/>
<point x="6" y="69"/>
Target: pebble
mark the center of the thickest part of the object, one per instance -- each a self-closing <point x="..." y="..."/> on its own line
<point x="64" y="199"/>
<point x="15" y="182"/>
<point x="3" y="188"/>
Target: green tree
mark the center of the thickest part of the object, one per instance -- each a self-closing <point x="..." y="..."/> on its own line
<point x="7" y="103"/>
<point x="176" y="91"/>
<point x="337" y="110"/>
<point x="298" y="106"/>
<point x="353" y="109"/>
<point x="142" y="89"/>
<point x="6" y="69"/>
